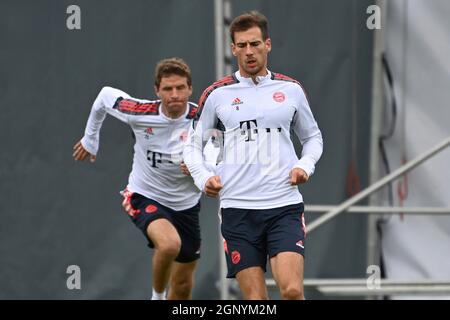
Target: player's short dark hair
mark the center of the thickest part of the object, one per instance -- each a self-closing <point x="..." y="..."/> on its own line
<point x="171" y="66"/>
<point x="249" y="20"/>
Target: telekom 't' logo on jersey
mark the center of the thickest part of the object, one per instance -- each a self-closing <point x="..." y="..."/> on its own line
<point x="154" y="157"/>
<point x="250" y="126"/>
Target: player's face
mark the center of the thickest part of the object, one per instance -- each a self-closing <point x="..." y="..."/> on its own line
<point x="251" y="52"/>
<point x="174" y="93"/>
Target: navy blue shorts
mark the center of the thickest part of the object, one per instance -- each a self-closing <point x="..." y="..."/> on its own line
<point x="186" y="222"/>
<point x="252" y="235"/>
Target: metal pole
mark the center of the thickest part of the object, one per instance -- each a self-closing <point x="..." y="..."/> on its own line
<point x="379" y="184"/>
<point x="220" y="67"/>
<point x="218" y="27"/>
<point x="377" y="105"/>
<point x="378" y="209"/>
<point x="361" y="287"/>
<point x="226" y="39"/>
<point x="222" y="19"/>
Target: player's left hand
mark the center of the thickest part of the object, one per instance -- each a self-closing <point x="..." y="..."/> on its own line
<point x="184" y="169"/>
<point x="80" y="153"/>
<point x="298" y="176"/>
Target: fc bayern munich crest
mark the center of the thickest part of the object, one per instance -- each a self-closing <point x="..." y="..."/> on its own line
<point x="279" y="96"/>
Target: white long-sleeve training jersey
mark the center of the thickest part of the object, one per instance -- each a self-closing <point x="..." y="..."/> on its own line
<point x="258" y="154"/>
<point x="158" y="148"/>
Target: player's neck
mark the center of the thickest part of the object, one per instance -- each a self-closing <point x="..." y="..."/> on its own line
<point x="254" y="77"/>
<point x="173" y="114"/>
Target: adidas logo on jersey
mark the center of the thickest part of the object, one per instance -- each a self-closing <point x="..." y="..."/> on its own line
<point x="236" y="102"/>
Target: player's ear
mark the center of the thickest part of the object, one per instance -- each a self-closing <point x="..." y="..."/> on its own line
<point x="233" y="49"/>
<point x="157" y="91"/>
<point x="268" y="44"/>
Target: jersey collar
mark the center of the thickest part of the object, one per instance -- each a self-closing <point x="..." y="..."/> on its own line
<point x="260" y="79"/>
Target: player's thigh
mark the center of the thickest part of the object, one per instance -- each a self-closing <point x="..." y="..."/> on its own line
<point x="252" y="283"/>
<point x="154" y="220"/>
<point x="163" y="233"/>
<point x="188" y="226"/>
<point x="244" y="244"/>
<point x="286" y="241"/>
<point x="287" y="231"/>
<point x="287" y="269"/>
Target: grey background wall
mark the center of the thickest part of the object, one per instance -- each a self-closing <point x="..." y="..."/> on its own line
<point x="55" y="212"/>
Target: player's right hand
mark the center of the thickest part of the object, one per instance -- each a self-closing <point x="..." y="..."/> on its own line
<point x="298" y="176"/>
<point x="126" y="203"/>
<point x="213" y="186"/>
<point x="80" y="153"/>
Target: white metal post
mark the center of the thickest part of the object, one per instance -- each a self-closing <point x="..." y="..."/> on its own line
<point x="222" y="16"/>
<point x="377" y="105"/>
<point x="220" y="66"/>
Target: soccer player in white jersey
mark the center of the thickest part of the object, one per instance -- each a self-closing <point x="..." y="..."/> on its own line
<point x="161" y="200"/>
<point x="257" y="178"/>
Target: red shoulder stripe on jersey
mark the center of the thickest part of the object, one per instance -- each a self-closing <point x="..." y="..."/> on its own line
<point x="133" y="107"/>
<point x="282" y="77"/>
<point x="220" y="83"/>
<point x="193" y="109"/>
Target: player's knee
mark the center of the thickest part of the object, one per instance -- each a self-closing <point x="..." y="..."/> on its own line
<point x="292" y="293"/>
<point x="170" y="248"/>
